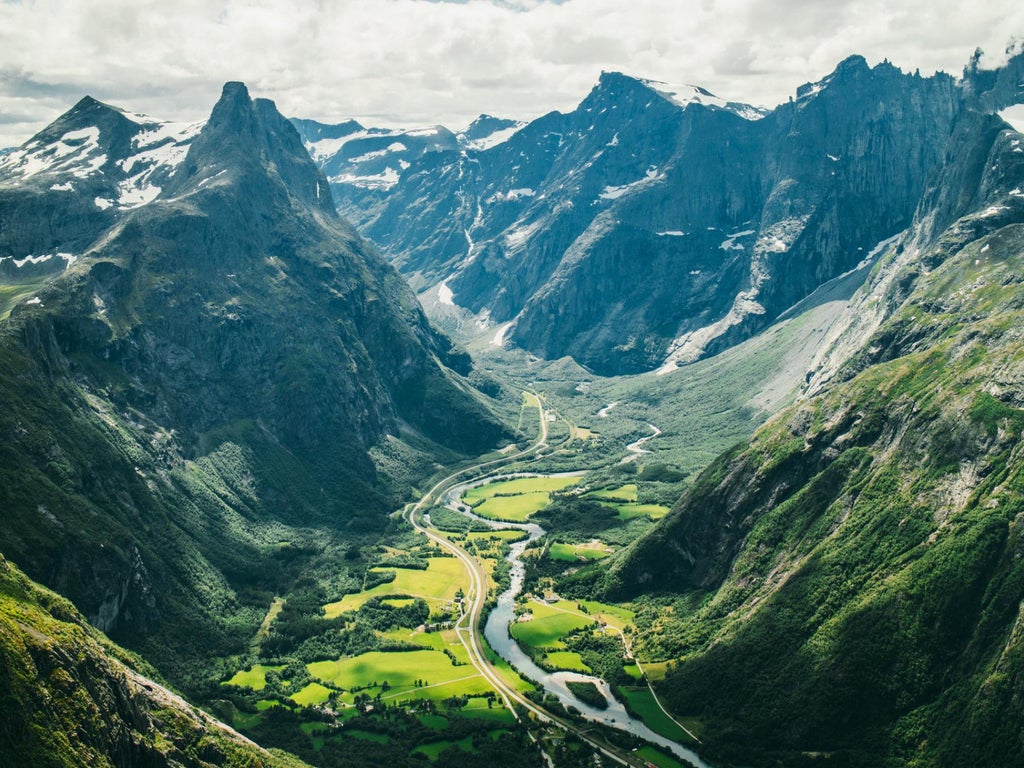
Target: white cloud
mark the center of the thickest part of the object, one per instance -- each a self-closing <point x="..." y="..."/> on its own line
<point x="417" y="61"/>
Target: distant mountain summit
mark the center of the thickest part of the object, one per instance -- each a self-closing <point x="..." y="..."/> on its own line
<point x="70" y="182"/>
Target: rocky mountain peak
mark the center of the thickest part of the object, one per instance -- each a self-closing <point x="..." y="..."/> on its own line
<point x="250" y="142"/>
<point x="616" y="87"/>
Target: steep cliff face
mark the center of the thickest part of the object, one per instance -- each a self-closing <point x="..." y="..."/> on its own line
<point x="658" y="224"/>
<point x="70" y="698"/>
<point x="215" y="364"/>
<point x="857" y="566"/>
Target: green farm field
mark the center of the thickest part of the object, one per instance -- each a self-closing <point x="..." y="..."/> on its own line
<point x="641" y="702"/>
<point x="438" y="584"/>
<point x="627" y="493"/>
<point x="440" y="678"/>
<point x="515" y="499"/>
<point x="577" y="552"/>
<point x="612" y="615"/>
<point x="255" y="678"/>
<point x="314" y="693"/>
<point x="569" y="660"/>
<point x="550" y="623"/>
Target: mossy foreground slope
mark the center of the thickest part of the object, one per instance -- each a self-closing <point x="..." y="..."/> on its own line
<point x="68" y="697"/>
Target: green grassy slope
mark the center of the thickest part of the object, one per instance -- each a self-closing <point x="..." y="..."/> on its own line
<point x="68" y="697"/>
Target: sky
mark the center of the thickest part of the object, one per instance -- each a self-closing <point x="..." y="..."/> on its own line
<point x="426" y="62"/>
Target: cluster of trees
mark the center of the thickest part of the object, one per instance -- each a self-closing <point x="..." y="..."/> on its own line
<point x="602" y="652"/>
<point x="280" y="727"/>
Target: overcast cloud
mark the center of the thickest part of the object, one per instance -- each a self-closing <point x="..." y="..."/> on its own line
<point x="389" y="62"/>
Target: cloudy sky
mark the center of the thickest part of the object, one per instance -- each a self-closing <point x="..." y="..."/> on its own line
<point x="391" y="62"/>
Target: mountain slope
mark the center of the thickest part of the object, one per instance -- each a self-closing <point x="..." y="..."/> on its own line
<point x="656" y="225"/>
<point x="70" y="698"/>
<point x="850" y="583"/>
<point x="191" y="408"/>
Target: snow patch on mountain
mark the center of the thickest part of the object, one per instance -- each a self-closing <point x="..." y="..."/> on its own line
<point x="494" y="139"/>
<point x="445" y="294"/>
<point x="516" y="236"/>
<point x="386" y="179"/>
<point x="502" y="332"/>
<point x="77" y="152"/>
<point x="685" y="95"/>
<point x="68" y="258"/>
<point x="511" y="195"/>
<point x="615" y="192"/>
<point x="730" y="244"/>
<point x="780" y="236"/>
<point x="689" y="346"/>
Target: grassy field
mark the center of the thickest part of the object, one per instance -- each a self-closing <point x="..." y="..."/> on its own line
<point x="515" y="499"/>
<point x="264" y="704"/>
<point x="314" y="693"/>
<point x="517" y="508"/>
<point x="626" y="492"/>
<point x="12" y="294"/>
<point x="401" y="671"/>
<point x="633" y="671"/>
<point x="624" y="499"/>
<point x="629" y="511"/>
<point x="508" y="674"/>
<point x="437" y="584"/>
<point x="566" y="660"/>
<point x="659" y="759"/>
<point x="642" y="703"/>
<point x="276" y="605"/>
<point x="549" y="624"/>
<point x="255" y="678"/>
<point x="655" y="670"/>
<point x="613" y="615"/>
<point x="577" y="552"/>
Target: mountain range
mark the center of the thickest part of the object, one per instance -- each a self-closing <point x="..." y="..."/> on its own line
<point x="657" y="224"/>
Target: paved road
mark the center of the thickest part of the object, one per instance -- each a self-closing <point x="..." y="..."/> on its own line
<point x="468" y="627"/>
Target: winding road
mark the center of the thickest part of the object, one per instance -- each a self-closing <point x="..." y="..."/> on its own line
<point x="468" y="626"/>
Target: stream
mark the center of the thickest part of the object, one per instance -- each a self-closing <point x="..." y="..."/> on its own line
<point x="636" y="447"/>
<point x="496" y="631"/>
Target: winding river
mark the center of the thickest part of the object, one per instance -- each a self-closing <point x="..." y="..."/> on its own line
<point x="496" y="631"/>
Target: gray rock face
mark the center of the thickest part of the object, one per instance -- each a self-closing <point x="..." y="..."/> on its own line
<point x="658" y="224"/>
